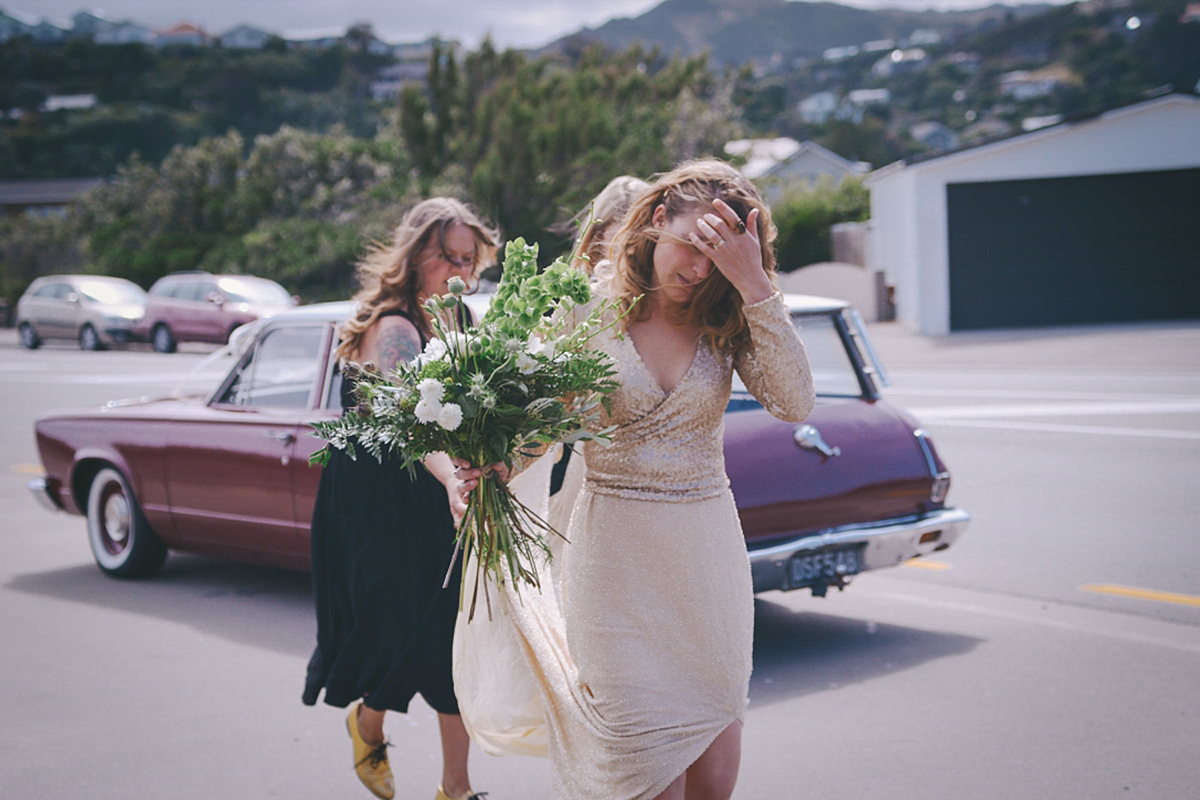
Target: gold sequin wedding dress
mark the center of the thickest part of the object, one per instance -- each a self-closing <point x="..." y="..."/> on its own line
<point x="637" y="653"/>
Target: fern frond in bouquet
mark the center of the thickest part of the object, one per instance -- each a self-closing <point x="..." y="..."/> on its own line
<point x="501" y="392"/>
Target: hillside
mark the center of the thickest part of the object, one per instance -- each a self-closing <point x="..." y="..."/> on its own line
<point x="778" y="32"/>
<point x="887" y="84"/>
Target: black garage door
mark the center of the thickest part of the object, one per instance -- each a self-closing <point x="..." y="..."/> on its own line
<point x="1079" y="250"/>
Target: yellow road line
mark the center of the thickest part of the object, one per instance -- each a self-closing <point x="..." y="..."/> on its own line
<point x="924" y="563"/>
<point x="1142" y="594"/>
<point x="29" y="469"/>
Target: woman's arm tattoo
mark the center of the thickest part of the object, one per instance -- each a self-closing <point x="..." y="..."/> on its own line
<point x="397" y="344"/>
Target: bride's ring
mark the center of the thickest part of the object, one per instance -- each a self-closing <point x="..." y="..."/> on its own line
<point x="719" y="244"/>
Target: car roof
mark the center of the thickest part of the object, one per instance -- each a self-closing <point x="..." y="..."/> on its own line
<point x="80" y="277"/>
<point x="342" y="309"/>
<point x="813" y="304"/>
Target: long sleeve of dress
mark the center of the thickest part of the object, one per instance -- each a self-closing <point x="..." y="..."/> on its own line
<point x="774" y="366"/>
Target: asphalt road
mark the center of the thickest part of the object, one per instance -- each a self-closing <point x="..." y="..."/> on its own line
<point x="1052" y="653"/>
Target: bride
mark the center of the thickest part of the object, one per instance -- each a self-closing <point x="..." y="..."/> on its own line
<point x="640" y="647"/>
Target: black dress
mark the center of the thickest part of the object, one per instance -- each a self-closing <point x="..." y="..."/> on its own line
<point x="381" y="544"/>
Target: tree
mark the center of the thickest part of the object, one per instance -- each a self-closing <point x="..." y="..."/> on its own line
<point x="531" y="141"/>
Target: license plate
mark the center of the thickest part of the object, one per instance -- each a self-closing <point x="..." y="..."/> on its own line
<point x="810" y="568"/>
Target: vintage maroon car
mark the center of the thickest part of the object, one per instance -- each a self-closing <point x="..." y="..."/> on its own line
<point x="857" y="486"/>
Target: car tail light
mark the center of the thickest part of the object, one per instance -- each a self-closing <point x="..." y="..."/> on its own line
<point x="941" y="479"/>
<point x="941" y="487"/>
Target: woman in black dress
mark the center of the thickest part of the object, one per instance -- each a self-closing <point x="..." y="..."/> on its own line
<point x="381" y="540"/>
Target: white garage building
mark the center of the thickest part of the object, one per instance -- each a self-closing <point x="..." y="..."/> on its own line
<point x="1084" y="222"/>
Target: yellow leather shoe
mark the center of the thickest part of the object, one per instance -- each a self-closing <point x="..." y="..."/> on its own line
<point x="441" y="795"/>
<point x="371" y="761"/>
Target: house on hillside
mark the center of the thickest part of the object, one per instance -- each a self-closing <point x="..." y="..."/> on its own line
<point x="126" y="33"/>
<point x="13" y="24"/>
<point x="43" y="198"/>
<point x="776" y="164"/>
<point x="1023" y="85"/>
<point x="245" y="37"/>
<point x="69" y="102"/>
<point x="1092" y="220"/>
<point x="46" y="32"/>
<point x="316" y="40"/>
<point x="900" y="62"/>
<point x="818" y="108"/>
<point x="183" y="34"/>
<point x="934" y="136"/>
<point x="87" y="24"/>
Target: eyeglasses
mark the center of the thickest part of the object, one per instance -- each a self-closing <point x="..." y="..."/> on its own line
<point x="461" y="262"/>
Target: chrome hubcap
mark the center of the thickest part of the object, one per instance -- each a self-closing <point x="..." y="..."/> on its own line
<point x="116" y="522"/>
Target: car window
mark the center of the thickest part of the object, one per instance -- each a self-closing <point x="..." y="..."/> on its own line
<point x="109" y="293"/>
<point x="262" y="293"/>
<point x="333" y="398"/>
<point x="833" y="371"/>
<point x="195" y="291"/>
<point x="279" y="370"/>
<point x="48" y="290"/>
<point x="163" y="289"/>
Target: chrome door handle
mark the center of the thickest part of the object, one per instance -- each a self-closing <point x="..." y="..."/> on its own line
<point x="808" y="437"/>
<point x="285" y="437"/>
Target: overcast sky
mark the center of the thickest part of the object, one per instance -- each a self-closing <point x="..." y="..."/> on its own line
<point x="512" y="23"/>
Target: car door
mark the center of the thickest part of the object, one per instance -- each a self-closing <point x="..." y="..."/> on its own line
<point x="59" y="311"/>
<point x="211" y="322"/>
<point x="232" y="476"/>
<point x="187" y="316"/>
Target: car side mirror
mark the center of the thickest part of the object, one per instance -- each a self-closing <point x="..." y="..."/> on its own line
<point x="216" y="298"/>
<point x="73" y="298"/>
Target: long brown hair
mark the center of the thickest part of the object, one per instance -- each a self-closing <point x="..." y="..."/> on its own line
<point x="716" y="307"/>
<point x="390" y="274"/>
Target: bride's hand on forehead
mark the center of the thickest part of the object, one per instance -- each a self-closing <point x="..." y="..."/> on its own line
<point x="732" y="244"/>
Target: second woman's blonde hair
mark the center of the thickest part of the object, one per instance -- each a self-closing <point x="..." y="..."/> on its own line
<point x="390" y="274"/>
<point x="603" y="217"/>
<point x="716" y="307"/>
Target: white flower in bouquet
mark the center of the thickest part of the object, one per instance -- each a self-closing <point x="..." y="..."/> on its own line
<point x="527" y="364"/>
<point x="450" y="417"/>
<point x="432" y="389"/>
<point x="427" y="411"/>
<point x="435" y="350"/>
<point x="524" y="378"/>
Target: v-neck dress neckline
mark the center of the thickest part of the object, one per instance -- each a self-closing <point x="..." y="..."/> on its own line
<point x="641" y="362"/>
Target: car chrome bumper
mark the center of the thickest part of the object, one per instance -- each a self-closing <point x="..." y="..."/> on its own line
<point x="44" y="494"/>
<point x="880" y="545"/>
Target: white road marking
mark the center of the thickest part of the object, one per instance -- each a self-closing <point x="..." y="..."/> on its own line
<point x="1047" y="427"/>
<point x="1073" y="409"/>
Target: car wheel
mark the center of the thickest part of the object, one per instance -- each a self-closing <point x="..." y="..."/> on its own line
<point x="29" y="337"/>
<point x="121" y="539"/>
<point x="163" y="339"/>
<point x="89" y="339"/>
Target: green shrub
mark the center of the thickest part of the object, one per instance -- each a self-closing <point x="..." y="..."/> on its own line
<point x="806" y="214"/>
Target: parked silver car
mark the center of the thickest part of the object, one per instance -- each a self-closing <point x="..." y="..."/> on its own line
<point x="94" y="310"/>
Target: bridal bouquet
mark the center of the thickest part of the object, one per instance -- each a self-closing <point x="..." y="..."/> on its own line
<point x="500" y="392"/>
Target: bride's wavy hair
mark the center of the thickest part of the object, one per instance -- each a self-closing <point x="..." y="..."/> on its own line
<point x="390" y="272"/>
<point x="716" y="307"/>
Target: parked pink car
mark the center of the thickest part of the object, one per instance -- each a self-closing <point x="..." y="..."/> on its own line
<point x="202" y="307"/>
